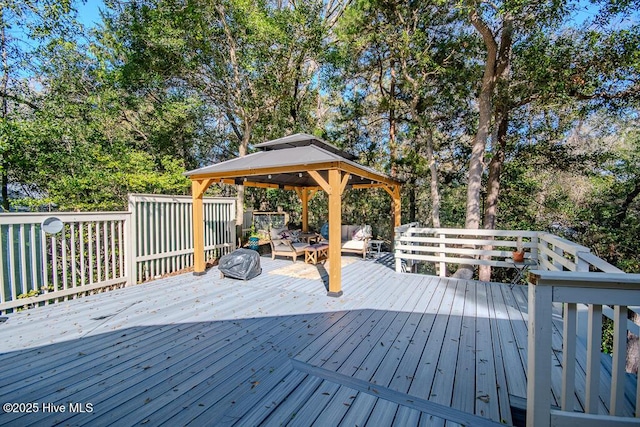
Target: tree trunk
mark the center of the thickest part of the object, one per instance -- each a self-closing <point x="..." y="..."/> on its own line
<point x="435" y="193"/>
<point x="476" y="162"/>
<point x="496" y="68"/>
<point x="493" y="185"/>
<point x="393" y="147"/>
<point x="412" y="200"/>
<point x="242" y="151"/>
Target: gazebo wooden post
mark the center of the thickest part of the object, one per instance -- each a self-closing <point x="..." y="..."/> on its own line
<point x="304" y="196"/>
<point x="335" y="223"/>
<point x="396" y="199"/>
<point x="198" y="187"/>
<point x="397" y="204"/>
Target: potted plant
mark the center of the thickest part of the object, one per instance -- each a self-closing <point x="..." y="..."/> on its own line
<point x="518" y="255"/>
<point x="254" y="239"/>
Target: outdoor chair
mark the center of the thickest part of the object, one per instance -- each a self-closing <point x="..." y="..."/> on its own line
<point x="283" y="246"/>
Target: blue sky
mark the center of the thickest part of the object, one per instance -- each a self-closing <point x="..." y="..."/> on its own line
<point x="89" y="13"/>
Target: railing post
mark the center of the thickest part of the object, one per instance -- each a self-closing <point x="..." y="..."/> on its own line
<point x="443" y="265"/>
<point x="594" y="341"/>
<point x="539" y="355"/>
<point x="619" y="359"/>
<point x="581" y="264"/>
<point x="130" y="229"/>
<point x="558" y="250"/>
<point x="398" y="252"/>
<point x="568" y="397"/>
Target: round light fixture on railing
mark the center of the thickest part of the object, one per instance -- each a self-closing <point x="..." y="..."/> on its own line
<point x="52" y="225"/>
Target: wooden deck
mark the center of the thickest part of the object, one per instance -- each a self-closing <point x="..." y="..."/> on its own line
<point x="274" y="350"/>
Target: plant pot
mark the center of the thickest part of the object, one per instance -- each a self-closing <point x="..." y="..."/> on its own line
<point x="254" y="243"/>
<point x="518" y="256"/>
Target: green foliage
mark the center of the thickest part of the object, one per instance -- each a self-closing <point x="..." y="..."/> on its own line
<point x="165" y="86"/>
<point x="610" y="222"/>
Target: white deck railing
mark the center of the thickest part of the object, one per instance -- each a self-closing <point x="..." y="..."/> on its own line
<point x="618" y="290"/>
<point x="567" y="273"/>
<point x="443" y="246"/>
<point x="100" y="250"/>
<point x="89" y="253"/>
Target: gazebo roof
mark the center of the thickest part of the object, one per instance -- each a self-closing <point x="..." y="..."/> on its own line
<point x="301" y="140"/>
<point x="284" y="161"/>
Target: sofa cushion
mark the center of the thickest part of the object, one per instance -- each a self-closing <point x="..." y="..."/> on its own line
<point x="344" y="233"/>
<point x="354" y="244"/>
<point x="279" y="246"/>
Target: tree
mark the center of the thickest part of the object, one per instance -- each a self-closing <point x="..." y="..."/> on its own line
<point x="528" y="38"/>
<point x="24" y="28"/>
<point x="248" y="61"/>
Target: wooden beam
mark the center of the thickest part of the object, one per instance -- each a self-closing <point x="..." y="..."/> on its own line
<point x="370" y="175"/>
<point x="197" y="191"/>
<point x="374" y="185"/>
<point x="321" y="182"/>
<point x="259" y="184"/>
<point x="335" y="222"/>
<point x="394" y="192"/>
<point x="343" y="184"/>
<point x="199" y="186"/>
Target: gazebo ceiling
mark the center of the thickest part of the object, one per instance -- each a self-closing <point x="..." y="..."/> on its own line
<point x="286" y="162"/>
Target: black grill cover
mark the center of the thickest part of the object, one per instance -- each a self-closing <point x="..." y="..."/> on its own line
<point x="241" y="264"/>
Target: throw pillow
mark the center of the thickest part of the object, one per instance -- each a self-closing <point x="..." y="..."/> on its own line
<point x="285" y="235"/>
<point x="275" y="233"/>
<point x="358" y="234"/>
<point x="362" y="233"/>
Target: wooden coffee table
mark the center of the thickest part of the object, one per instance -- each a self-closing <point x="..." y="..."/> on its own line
<point x="315" y="253"/>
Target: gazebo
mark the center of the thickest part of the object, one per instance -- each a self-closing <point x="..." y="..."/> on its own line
<point x="305" y="164"/>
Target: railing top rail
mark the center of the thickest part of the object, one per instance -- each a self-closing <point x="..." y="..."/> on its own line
<point x="405" y="227"/>
<point x="567" y="245"/>
<point x="585" y="279"/>
<point x="32" y="218"/>
<point x="165" y="198"/>
<point x="599" y="263"/>
<point x="472" y="232"/>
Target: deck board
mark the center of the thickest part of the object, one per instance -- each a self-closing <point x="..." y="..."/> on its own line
<point x="190" y="350"/>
